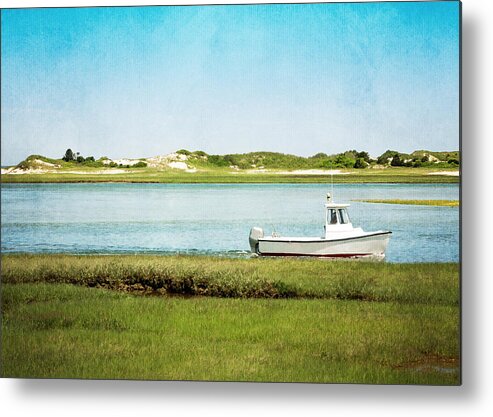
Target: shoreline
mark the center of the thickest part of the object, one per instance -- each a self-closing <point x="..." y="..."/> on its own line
<point x="239" y="255"/>
<point x="393" y="178"/>
<point x="215" y="276"/>
<point x="152" y="175"/>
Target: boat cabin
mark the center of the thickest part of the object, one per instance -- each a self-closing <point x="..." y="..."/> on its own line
<point x="336" y="218"/>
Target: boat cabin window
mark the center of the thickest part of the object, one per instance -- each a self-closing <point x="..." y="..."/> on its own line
<point x="337" y="216"/>
<point x="343" y="216"/>
<point x="332" y="216"/>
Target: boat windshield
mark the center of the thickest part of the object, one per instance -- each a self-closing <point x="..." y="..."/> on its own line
<point x="332" y="216"/>
<point x="337" y="216"/>
<point x="343" y="216"/>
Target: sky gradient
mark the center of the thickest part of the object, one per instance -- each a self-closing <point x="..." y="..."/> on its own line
<point x="301" y="79"/>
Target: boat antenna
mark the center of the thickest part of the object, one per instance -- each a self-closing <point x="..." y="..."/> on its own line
<point x="331" y="180"/>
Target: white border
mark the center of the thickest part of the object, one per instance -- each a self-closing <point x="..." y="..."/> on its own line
<point x="123" y="398"/>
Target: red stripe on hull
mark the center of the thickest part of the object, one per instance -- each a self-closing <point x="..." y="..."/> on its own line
<point x="339" y="255"/>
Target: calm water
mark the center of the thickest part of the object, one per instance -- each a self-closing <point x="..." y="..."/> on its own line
<point x="216" y="218"/>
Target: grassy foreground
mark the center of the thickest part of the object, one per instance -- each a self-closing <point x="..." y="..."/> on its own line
<point x="262" y="319"/>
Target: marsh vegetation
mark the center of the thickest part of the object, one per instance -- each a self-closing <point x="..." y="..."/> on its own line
<point x="438" y="203"/>
<point x="229" y="319"/>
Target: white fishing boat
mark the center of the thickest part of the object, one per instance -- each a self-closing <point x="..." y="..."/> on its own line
<point x="341" y="239"/>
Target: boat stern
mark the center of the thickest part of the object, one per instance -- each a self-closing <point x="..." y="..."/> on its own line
<point x="256" y="233"/>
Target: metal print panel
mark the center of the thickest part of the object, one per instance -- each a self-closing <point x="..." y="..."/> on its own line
<point x="264" y="193"/>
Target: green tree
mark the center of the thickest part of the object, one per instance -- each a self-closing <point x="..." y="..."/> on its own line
<point x="383" y="159"/>
<point x="364" y="155"/>
<point x="218" y="160"/>
<point x="343" y="161"/>
<point x="396" y="161"/>
<point x="360" y="163"/>
<point x="69" y="156"/>
<point x="319" y="155"/>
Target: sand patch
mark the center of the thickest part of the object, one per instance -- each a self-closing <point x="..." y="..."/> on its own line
<point x="447" y="173"/>
<point x="19" y="171"/>
<point x="45" y="164"/>
<point x="129" y="162"/>
<point x="314" y="172"/>
<point x="38" y="167"/>
<point x="178" y="165"/>
<point x="182" y="166"/>
<point x="297" y="172"/>
<point x="100" y="172"/>
<point x="172" y="160"/>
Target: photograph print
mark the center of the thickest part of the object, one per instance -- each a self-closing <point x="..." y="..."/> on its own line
<point x="240" y="193"/>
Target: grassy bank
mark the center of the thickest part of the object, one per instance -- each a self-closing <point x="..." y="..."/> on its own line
<point x="148" y="175"/>
<point x="440" y="203"/>
<point x="245" y="278"/>
<point x="264" y="319"/>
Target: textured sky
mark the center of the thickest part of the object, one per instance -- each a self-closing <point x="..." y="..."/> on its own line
<point x="301" y="79"/>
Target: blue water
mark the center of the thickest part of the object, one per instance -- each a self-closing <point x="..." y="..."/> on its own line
<point x="216" y="218"/>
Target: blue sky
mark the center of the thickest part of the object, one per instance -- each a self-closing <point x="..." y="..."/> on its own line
<point x="301" y="79"/>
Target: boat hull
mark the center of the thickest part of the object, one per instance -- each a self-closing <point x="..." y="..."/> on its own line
<point x="368" y="245"/>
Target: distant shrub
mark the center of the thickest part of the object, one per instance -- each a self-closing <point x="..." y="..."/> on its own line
<point x="218" y="160"/>
<point x="396" y="161"/>
<point x="183" y="152"/>
<point x="42" y="158"/>
<point x="343" y="161"/>
<point x="113" y="164"/>
<point x="95" y="164"/>
<point x="80" y="159"/>
<point x="200" y="153"/>
<point x="453" y="161"/>
<point x="360" y="163"/>
<point x="364" y="155"/>
<point x="23" y="165"/>
<point x="140" y="164"/>
<point x="384" y="158"/>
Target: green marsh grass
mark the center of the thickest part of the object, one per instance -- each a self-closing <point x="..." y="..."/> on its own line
<point x="440" y="203"/>
<point x="242" y="278"/>
<point x="254" y="319"/>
